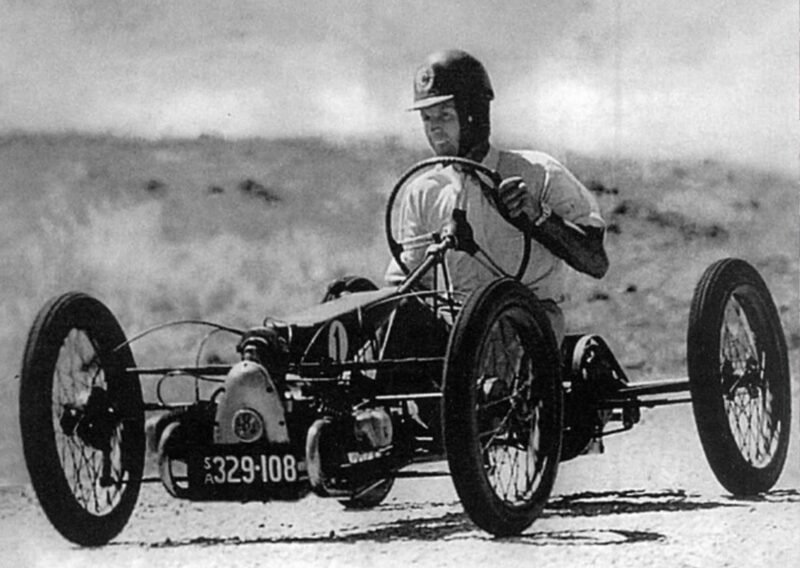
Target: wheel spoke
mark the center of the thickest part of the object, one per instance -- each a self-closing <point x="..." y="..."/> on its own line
<point x="511" y="443"/>
<point x="77" y="371"/>
<point x="83" y="427"/>
<point x="747" y="390"/>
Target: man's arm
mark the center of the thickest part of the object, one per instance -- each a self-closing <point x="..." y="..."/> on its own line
<point x="579" y="246"/>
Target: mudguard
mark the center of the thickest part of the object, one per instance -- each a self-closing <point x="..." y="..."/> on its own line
<point x="248" y="386"/>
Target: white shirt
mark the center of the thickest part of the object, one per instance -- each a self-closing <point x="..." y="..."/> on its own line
<point x="428" y="202"/>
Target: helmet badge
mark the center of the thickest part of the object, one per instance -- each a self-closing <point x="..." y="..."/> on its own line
<point x="424" y="79"/>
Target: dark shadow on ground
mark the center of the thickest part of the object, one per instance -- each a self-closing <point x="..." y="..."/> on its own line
<point x="592" y="504"/>
<point x="457" y="526"/>
<point x="452" y="526"/>
<point x="776" y="496"/>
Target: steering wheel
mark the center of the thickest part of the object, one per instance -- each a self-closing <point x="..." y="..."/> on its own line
<point x="470" y="167"/>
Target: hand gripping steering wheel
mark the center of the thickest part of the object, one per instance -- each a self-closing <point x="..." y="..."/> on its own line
<point x="470" y="167"/>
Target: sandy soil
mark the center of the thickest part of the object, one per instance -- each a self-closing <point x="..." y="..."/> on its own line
<point x="649" y="501"/>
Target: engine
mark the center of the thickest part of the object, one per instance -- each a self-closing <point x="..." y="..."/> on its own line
<point x="347" y="451"/>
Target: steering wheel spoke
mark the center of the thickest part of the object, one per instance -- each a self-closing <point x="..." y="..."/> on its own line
<point x="481" y="173"/>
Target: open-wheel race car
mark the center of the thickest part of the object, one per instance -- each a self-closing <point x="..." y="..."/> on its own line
<point x="339" y="399"/>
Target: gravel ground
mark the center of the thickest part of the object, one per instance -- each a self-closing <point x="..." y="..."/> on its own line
<point x="649" y="501"/>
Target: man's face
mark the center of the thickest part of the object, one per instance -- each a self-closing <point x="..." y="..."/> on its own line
<point x="442" y="128"/>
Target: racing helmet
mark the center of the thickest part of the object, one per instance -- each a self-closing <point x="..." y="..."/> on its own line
<point x="456" y="75"/>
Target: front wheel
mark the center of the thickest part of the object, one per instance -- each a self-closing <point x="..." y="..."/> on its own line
<point x="502" y="411"/>
<point x="82" y="419"/>
<point x="739" y="377"/>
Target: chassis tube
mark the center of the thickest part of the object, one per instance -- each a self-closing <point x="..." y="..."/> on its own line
<point x="214" y="370"/>
<point x="655" y="387"/>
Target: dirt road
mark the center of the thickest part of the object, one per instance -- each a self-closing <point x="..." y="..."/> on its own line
<point x="649" y="501"/>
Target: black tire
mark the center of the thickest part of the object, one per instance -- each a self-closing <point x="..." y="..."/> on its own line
<point x="82" y="419"/>
<point x="372" y="498"/>
<point x="489" y="423"/>
<point x="171" y="468"/>
<point x="740" y="384"/>
<point x="348" y="285"/>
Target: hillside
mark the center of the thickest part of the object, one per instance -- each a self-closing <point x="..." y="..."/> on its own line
<point x="234" y="230"/>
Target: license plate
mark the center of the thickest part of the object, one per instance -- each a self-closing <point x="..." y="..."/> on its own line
<point x="242" y="472"/>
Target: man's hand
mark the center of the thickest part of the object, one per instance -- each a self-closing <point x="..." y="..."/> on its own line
<point x="517" y="200"/>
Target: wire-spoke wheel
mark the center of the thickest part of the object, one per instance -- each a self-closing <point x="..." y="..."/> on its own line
<point x="739" y="377"/>
<point x="502" y="410"/>
<point x="82" y="419"/>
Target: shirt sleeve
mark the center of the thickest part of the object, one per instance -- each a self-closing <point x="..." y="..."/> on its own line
<point x="413" y="226"/>
<point x="569" y="198"/>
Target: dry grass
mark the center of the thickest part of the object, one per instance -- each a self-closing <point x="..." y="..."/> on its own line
<point x="234" y="230"/>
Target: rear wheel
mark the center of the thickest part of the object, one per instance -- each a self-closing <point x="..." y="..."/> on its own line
<point x="172" y="466"/>
<point x="503" y="407"/>
<point x="82" y="419"/>
<point x="739" y="377"/>
<point x="347" y="285"/>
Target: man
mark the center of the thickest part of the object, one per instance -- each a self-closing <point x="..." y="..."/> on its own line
<point x="452" y="92"/>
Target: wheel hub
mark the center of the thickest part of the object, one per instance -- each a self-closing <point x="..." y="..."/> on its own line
<point x="749" y="378"/>
<point x="92" y="418"/>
